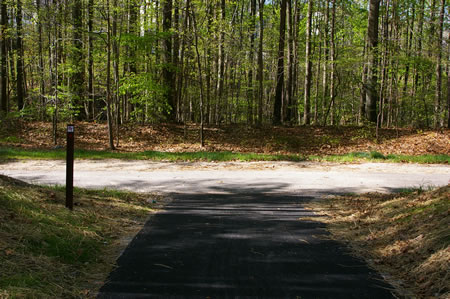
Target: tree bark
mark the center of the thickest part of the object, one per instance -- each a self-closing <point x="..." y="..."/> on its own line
<point x="372" y="33"/>
<point x="168" y="69"/>
<point x="20" y="63"/>
<point x="77" y="77"/>
<point x="41" y="62"/>
<point x="261" y="62"/>
<point x="4" y="55"/>
<point x="438" y="121"/>
<point x="332" y="65"/>
<point x="221" y="63"/>
<point x="307" y="111"/>
<point x="250" y="91"/>
<point x="91" y="105"/>
<point x="291" y="63"/>
<point x="280" y="67"/>
<point x="108" y="80"/>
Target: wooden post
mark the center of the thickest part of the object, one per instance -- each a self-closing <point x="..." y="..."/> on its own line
<point x="69" y="166"/>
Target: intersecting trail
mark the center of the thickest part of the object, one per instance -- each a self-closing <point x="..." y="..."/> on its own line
<point x="238" y="230"/>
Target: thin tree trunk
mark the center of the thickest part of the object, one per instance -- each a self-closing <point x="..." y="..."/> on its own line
<point x="325" y="63"/>
<point x="438" y="121"/>
<point x="372" y="32"/>
<point x="250" y="91"/>
<point x="290" y="63"/>
<point x="200" y="75"/>
<point x="77" y="77"/>
<point x="332" y="64"/>
<point x="221" y="63"/>
<point x="41" y="62"/>
<point x="362" y="102"/>
<point x="91" y="104"/>
<point x="168" y="70"/>
<point x="308" y="66"/>
<point x="20" y="85"/>
<point x="108" y="80"/>
<point x="261" y="62"/>
<point x="280" y="68"/>
<point x="4" y="55"/>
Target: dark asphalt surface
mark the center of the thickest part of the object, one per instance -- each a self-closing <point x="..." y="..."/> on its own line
<point x="238" y="245"/>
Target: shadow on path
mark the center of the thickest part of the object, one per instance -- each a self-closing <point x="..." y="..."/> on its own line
<point x="242" y="241"/>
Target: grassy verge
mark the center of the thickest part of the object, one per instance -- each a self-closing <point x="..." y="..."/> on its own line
<point x="404" y="235"/>
<point x="379" y="157"/>
<point x="17" y="153"/>
<point x="46" y="251"/>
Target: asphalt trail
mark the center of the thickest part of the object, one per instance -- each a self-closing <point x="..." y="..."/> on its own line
<point x="238" y="245"/>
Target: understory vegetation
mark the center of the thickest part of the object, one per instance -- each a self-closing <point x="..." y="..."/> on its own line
<point x="404" y="235"/>
<point x="47" y="251"/>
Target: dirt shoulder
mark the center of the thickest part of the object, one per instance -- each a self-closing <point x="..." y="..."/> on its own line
<point x="151" y="166"/>
<point x="404" y="236"/>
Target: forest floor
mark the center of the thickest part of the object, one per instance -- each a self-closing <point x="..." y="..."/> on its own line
<point x="303" y="140"/>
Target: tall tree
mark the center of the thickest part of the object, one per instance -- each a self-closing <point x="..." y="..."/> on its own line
<point x="291" y="60"/>
<point x="168" y="69"/>
<point x="91" y="105"/>
<point x="108" y="78"/>
<point x="260" y="61"/>
<point x="4" y="55"/>
<point x="372" y="82"/>
<point x="221" y="62"/>
<point x="20" y="84"/>
<point x="77" y="61"/>
<point x="280" y="67"/>
<point x="307" y="111"/>
<point x="250" y="92"/>
<point x="438" y="120"/>
<point x="41" y="60"/>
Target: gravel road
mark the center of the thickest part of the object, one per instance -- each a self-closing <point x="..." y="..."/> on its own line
<point x="200" y="177"/>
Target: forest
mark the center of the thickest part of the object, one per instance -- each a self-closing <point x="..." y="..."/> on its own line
<point x="278" y="62"/>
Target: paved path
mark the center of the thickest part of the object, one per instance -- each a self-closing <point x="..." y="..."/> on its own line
<point x="238" y="245"/>
<point x="236" y="230"/>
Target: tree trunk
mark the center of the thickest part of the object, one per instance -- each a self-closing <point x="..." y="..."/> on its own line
<point x="77" y="77"/>
<point x="280" y="68"/>
<point x="116" y="62"/>
<point x="41" y="62"/>
<point x="221" y="63"/>
<point x="108" y="80"/>
<point x="4" y="55"/>
<point x="362" y="102"/>
<point x="261" y="62"/>
<point x="91" y="105"/>
<point x="250" y="91"/>
<point x="372" y="33"/>
<point x="332" y="65"/>
<point x="200" y="75"/>
<point x="20" y="64"/>
<point x="438" y="121"/>
<point x="325" y="63"/>
<point x="168" y="69"/>
<point x="307" y="111"/>
<point x="291" y="64"/>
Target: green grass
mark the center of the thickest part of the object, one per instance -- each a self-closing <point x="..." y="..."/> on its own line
<point x="15" y="153"/>
<point x="12" y="153"/>
<point x="378" y="157"/>
<point x="47" y="251"/>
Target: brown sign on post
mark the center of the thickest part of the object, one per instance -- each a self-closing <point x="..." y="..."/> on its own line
<point x="69" y="165"/>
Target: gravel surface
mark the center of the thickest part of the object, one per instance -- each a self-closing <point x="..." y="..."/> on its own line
<point x="202" y="177"/>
